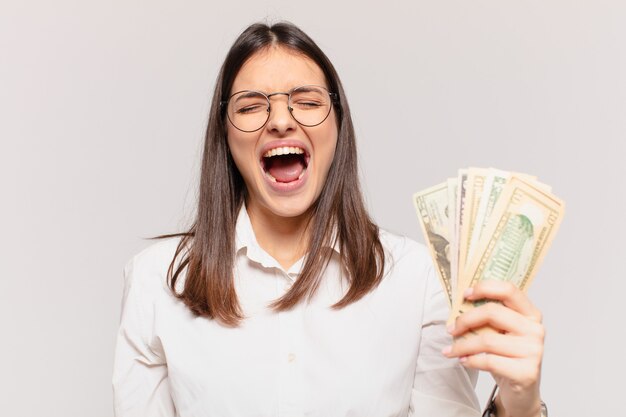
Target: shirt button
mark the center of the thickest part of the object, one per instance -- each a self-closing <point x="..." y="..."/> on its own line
<point x="291" y="357"/>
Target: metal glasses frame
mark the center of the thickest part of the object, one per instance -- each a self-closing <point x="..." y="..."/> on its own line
<point x="334" y="98"/>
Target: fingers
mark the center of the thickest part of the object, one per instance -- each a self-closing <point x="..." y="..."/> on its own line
<point x="498" y="317"/>
<point x="505" y="337"/>
<point x="524" y="373"/>
<point x="516" y="358"/>
<point x="494" y="344"/>
<point x="508" y="294"/>
<point x="512" y="345"/>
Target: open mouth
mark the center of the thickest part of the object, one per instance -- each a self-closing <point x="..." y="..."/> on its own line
<point x="285" y="164"/>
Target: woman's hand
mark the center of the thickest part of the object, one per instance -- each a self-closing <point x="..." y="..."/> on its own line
<point x="512" y="353"/>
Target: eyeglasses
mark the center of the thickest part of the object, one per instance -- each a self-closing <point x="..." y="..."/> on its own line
<point x="249" y="110"/>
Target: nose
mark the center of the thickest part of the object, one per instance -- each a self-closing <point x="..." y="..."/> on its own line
<point x="280" y="120"/>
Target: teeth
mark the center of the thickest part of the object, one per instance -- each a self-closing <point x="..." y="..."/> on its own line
<point x="284" y="150"/>
<point x="270" y="175"/>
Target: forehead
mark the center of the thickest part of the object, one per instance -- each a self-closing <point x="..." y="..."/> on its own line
<point x="277" y="69"/>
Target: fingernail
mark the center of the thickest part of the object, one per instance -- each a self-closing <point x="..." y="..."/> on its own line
<point x="450" y="328"/>
<point x="468" y="292"/>
<point x="463" y="359"/>
<point x="446" y="351"/>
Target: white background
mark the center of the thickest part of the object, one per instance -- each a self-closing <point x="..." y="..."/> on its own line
<point x="103" y="107"/>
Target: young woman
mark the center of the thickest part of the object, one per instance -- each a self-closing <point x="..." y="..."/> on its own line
<point x="284" y="298"/>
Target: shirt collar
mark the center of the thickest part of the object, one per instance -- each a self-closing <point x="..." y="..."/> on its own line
<point x="246" y="239"/>
<point x="244" y="234"/>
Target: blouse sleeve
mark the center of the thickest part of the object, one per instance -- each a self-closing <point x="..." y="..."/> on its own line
<point x="140" y="381"/>
<point x="442" y="387"/>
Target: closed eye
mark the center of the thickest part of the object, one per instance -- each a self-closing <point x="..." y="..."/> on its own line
<point x="308" y="104"/>
<point x="251" y="109"/>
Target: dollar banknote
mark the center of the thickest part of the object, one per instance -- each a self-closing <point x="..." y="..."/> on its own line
<point x="487" y="224"/>
<point x="453" y="252"/>
<point x="461" y="187"/>
<point x="474" y="189"/>
<point x="522" y="227"/>
<point x="433" y="212"/>
<point x="493" y="185"/>
<point x="495" y="182"/>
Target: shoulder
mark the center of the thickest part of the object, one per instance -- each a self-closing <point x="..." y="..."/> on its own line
<point x="407" y="261"/>
<point x="149" y="267"/>
<point x="410" y="262"/>
<point x="403" y="249"/>
<point x="409" y="278"/>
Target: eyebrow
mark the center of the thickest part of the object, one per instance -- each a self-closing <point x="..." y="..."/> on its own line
<point x="254" y="93"/>
<point x="307" y="88"/>
<point x="248" y="94"/>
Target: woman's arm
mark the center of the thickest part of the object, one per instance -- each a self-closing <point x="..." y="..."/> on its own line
<point x="140" y="378"/>
<point x="512" y="354"/>
<point x="441" y="386"/>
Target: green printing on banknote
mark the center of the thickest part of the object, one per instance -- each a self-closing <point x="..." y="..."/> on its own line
<point x="487" y="224"/>
<point x="512" y="254"/>
<point x="515" y="246"/>
<point x="436" y="227"/>
<point x="494" y="194"/>
<point x="516" y="243"/>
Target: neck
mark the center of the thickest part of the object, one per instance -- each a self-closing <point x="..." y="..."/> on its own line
<point x="284" y="238"/>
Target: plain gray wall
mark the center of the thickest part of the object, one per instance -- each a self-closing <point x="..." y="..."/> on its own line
<point x="102" y="111"/>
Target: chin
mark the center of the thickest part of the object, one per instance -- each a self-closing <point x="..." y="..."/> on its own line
<point x="288" y="206"/>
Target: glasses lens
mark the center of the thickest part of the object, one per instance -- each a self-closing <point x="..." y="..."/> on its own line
<point x="248" y="110"/>
<point x="310" y="105"/>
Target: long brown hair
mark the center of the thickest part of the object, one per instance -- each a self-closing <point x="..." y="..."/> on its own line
<point x="207" y="250"/>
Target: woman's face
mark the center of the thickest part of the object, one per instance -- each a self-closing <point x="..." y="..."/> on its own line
<point x="283" y="185"/>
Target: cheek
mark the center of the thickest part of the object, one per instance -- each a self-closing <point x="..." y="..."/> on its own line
<point x="332" y="135"/>
<point x="328" y="148"/>
<point x="242" y="151"/>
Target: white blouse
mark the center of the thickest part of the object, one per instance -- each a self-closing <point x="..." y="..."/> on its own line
<point x="380" y="356"/>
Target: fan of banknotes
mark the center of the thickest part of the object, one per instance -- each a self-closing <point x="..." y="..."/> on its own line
<point x="487" y="224"/>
